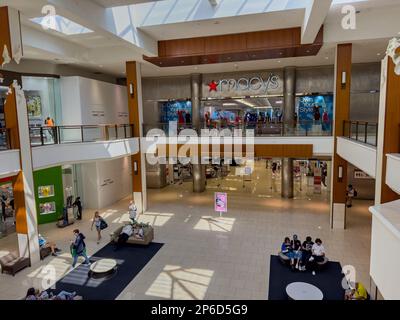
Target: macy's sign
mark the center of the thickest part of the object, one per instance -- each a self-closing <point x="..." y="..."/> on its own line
<point x="256" y="84"/>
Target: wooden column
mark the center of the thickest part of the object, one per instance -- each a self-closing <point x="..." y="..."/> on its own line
<point x="341" y="113"/>
<point x="389" y="129"/>
<point x="16" y="119"/>
<point x="10" y="33"/>
<point x="5" y="39"/>
<point x="134" y="91"/>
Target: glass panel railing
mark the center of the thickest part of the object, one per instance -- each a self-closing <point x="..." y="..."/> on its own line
<point x="294" y="128"/>
<point x="74" y="134"/>
<point x="365" y="132"/>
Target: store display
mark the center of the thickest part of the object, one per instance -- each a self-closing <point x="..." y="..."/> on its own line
<point x="180" y="111"/>
<point x="46" y="191"/>
<point x="315" y="110"/>
<point x="34" y="105"/>
<point x="47" y="208"/>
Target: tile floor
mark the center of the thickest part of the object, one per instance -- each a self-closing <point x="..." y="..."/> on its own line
<point x="206" y="256"/>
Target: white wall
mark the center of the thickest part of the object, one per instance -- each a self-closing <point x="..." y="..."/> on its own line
<point x="358" y="154"/>
<point x="393" y="172"/>
<point x="71" y="153"/>
<point x="89" y="179"/>
<point x="90" y="102"/>
<point x="385" y="246"/>
<point x="106" y="182"/>
<point x="10" y="163"/>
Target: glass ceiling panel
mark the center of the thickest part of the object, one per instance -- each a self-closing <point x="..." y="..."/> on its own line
<point x="175" y="11"/>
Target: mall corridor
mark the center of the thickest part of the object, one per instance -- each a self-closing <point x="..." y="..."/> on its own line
<point x="206" y="256"/>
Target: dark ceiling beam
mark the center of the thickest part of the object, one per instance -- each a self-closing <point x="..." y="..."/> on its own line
<point x="271" y="44"/>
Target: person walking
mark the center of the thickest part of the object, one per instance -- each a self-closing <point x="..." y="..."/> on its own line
<point x="132" y="211"/>
<point x="100" y="224"/>
<point x="350" y="194"/>
<point x="3" y="201"/>
<point x="78" y="248"/>
<point x="78" y="204"/>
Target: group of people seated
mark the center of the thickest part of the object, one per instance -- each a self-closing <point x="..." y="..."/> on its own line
<point x="35" y="294"/>
<point x="133" y="229"/>
<point x="303" y="256"/>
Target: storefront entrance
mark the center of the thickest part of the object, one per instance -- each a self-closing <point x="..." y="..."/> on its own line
<point x="264" y="181"/>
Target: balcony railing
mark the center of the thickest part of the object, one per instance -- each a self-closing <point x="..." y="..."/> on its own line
<point x="289" y="129"/>
<point x="5" y="141"/>
<point x="41" y="136"/>
<point x="362" y="131"/>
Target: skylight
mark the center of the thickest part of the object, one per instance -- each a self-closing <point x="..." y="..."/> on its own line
<point x="61" y="24"/>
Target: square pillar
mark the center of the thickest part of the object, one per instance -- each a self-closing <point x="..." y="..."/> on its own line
<point x="341" y="113"/>
<point x="135" y="107"/>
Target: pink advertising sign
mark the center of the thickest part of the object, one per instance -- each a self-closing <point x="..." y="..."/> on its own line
<point x="221" y="202"/>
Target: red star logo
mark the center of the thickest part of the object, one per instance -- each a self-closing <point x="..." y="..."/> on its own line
<point x="213" y="86"/>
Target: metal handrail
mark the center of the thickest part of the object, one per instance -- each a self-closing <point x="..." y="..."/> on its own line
<point x="361" y="132"/>
<point x="50" y="135"/>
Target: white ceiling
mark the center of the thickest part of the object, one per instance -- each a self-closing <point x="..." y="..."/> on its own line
<point x="107" y="55"/>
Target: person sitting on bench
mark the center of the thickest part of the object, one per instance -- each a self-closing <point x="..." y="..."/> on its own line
<point x="287" y="250"/>
<point x="318" y="255"/>
<point x="123" y="237"/>
<point x="357" y="291"/>
<point x="306" y="253"/>
<point x="43" y="243"/>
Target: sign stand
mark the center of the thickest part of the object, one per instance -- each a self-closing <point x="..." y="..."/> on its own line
<point x="220" y="202"/>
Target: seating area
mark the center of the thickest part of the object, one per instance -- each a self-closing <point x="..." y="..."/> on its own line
<point x="12" y="263"/>
<point x="148" y="235"/>
<point x="303" y="256"/>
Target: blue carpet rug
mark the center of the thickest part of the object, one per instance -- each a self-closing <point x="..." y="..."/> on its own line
<point x="328" y="280"/>
<point x="131" y="259"/>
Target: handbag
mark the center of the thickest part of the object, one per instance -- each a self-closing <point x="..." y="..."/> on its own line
<point x="103" y="224"/>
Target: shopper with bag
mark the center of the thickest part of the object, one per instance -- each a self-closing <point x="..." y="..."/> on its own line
<point x="100" y="224"/>
<point x="78" y="248"/>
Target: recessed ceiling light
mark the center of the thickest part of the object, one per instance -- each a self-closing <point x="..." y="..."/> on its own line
<point x="326" y="58"/>
<point x="279" y="61"/>
<point x="378" y="54"/>
<point x="195" y="68"/>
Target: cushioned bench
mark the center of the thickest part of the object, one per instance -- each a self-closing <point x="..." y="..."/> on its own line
<point x="12" y="263"/>
<point x="44" y="252"/>
<point x="148" y="237"/>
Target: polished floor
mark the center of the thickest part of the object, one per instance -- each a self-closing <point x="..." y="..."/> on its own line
<point x="206" y="256"/>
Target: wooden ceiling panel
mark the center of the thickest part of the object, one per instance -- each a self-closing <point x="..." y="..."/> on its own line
<point x="271" y="44"/>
